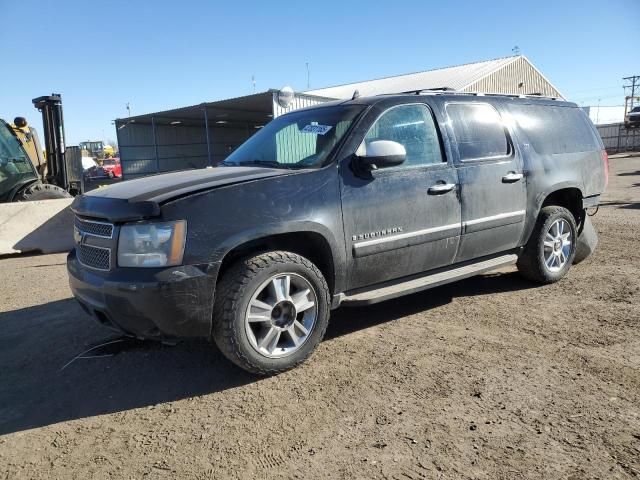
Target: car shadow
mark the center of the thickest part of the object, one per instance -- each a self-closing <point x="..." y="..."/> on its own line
<point x="58" y="365"/>
<point x="351" y="319"/>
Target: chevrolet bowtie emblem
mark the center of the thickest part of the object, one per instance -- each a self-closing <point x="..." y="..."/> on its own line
<point x="78" y="236"/>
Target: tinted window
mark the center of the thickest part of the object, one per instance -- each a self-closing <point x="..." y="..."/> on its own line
<point x="555" y="129"/>
<point x="414" y="128"/>
<point x="478" y="131"/>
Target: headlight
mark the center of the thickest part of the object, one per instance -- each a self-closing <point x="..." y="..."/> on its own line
<point x="152" y="244"/>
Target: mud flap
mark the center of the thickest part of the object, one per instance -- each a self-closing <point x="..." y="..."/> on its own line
<point x="587" y="241"/>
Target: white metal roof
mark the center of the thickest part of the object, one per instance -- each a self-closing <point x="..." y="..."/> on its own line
<point x="458" y="78"/>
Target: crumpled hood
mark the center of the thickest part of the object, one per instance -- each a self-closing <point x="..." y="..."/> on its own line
<point x="141" y="198"/>
<point x="160" y="188"/>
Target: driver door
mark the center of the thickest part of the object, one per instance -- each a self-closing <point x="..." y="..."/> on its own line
<point x="406" y="219"/>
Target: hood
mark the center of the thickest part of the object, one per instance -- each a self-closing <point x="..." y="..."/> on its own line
<point x="141" y="198"/>
<point x="163" y="187"/>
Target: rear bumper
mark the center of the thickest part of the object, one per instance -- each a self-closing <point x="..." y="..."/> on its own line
<point x="148" y="303"/>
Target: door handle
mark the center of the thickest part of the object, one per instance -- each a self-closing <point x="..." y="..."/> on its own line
<point x="512" y="177"/>
<point x="440" y="188"/>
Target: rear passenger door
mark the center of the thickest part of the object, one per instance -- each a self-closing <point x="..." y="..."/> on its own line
<point x="491" y="179"/>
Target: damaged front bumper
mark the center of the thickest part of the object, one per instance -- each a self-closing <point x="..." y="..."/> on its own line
<point x="148" y="303"/>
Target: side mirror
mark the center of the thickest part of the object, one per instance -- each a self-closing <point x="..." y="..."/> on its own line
<point x="380" y="154"/>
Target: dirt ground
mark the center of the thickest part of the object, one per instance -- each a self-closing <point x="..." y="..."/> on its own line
<point x="489" y="378"/>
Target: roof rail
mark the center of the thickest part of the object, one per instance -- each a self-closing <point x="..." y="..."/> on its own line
<point x="435" y="89"/>
<point x="450" y="91"/>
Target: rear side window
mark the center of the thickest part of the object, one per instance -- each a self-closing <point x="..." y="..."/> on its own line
<point x="478" y="130"/>
<point x="552" y="130"/>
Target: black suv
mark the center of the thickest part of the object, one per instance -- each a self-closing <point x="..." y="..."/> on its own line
<point x="347" y="203"/>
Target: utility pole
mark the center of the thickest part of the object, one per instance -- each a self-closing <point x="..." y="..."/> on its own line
<point x="634" y="84"/>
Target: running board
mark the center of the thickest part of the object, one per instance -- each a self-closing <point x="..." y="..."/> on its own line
<point x="428" y="281"/>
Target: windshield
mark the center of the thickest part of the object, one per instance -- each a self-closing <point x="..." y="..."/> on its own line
<point x="635" y="110"/>
<point x="302" y="139"/>
<point x="15" y="166"/>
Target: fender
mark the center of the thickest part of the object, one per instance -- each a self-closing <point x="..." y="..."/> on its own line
<point x="538" y="200"/>
<point x="338" y="256"/>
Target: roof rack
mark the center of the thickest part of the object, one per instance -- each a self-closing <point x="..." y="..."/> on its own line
<point x="435" y="89"/>
<point x="451" y="91"/>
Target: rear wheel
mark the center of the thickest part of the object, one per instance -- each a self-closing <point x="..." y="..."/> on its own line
<point x="549" y="253"/>
<point x="41" y="191"/>
<point x="271" y="311"/>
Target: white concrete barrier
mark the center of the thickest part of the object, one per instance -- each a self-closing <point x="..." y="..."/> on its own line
<point x="45" y="226"/>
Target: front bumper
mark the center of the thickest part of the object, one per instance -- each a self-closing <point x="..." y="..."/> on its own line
<point x="148" y="303"/>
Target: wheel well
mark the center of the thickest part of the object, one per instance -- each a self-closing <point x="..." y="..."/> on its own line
<point x="310" y="245"/>
<point x="569" y="198"/>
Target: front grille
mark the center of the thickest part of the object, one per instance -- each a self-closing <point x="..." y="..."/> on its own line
<point x="97" y="229"/>
<point x="94" y="257"/>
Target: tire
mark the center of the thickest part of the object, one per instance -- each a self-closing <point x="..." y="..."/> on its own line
<point x="536" y="262"/>
<point x="256" y="330"/>
<point x="41" y="191"/>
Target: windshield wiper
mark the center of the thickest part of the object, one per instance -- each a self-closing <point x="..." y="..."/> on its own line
<point x="265" y="163"/>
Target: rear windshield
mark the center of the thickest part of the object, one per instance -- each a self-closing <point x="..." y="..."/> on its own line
<point x="553" y="130"/>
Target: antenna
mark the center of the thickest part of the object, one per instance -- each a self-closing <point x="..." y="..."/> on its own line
<point x="253" y="81"/>
<point x="308" y="76"/>
<point x="516" y="50"/>
<point x="128" y="110"/>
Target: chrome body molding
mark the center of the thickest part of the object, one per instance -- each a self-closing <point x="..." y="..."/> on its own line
<point x="405" y="239"/>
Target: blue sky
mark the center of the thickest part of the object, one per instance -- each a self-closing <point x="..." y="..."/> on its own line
<point x="160" y="54"/>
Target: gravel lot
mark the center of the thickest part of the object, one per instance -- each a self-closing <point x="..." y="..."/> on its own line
<point x="489" y="378"/>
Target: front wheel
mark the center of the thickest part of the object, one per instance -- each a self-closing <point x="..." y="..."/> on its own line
<point x="270" y="312"/>
<point x="549" y="253"/>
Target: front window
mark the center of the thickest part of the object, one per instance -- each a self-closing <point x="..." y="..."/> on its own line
<point x="302" y="139"/>
<point x="414" y="128"/>
<point x="15" y="165"/>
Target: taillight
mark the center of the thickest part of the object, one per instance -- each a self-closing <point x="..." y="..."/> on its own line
<point x="605" y="160"/>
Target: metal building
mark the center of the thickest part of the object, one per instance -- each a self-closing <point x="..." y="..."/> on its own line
<point x="512" y="75"/>
<point x="204" y="135"/>
<point x="199" y="135"/>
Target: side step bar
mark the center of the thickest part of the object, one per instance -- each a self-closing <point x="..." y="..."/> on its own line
<point x="424" y="282"/>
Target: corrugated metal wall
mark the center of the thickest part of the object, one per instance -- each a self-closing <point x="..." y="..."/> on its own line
<point x="616" y="138"/>
<point x="509" y="77"/>
<point x="178" y="147"/>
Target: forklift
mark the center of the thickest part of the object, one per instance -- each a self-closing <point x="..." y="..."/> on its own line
<point x="25" y="174"/>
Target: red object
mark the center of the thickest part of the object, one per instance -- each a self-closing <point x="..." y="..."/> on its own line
<point x="605" y="159"/>
<point x="112" y="167"/>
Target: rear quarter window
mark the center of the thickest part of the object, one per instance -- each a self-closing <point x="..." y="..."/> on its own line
<point x="553" y="130"/>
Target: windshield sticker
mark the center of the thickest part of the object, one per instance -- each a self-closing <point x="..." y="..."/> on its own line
<point x="317" y="129"/>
